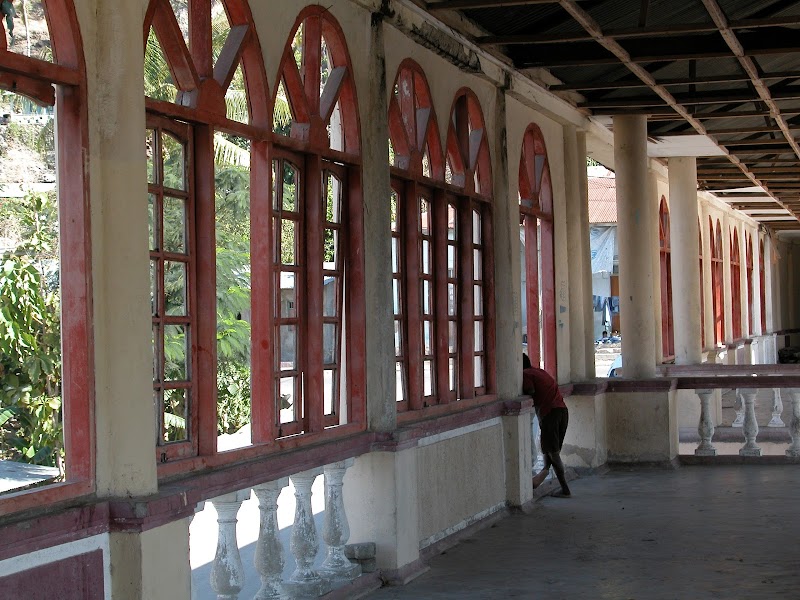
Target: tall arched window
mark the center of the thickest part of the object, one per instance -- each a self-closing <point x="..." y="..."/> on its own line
<point x="667" y="335"/>
<point x="736" y="287"/>
<point x="49" y="80"/>
<point x="469" y="242"/>
<point x="748" y="242"/>
<point x="317" y="220"/>
<point x="536" y="233"/>
<point x="205" y="87"/>
<point x="717" y="296"/>
<point x="423" y="266"/>
<point x="762" y="270"/>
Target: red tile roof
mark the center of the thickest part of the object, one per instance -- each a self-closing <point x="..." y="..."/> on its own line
<point x="602" y="200"/>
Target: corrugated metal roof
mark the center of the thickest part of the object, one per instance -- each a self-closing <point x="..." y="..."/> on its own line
<point x="602" y="200"/>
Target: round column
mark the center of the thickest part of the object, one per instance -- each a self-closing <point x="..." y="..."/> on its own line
<point x="634" y="214"/>
<point x="685" y="266"/>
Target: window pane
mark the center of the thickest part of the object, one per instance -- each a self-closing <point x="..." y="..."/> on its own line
<point x="174" y="288"/>
<point x="478" y="336"/>
<point x="425" y="216"/>
<point x="478" y="300"/>
<point x="329" y="393"/>
<point x="426" y="257"/>
<point x="176" y="366"/>
<point x="152" y="173"/>
<point x="452" y="370"/>
<point x="287" y="394"/>
<point x="451" y="261"/>
<point x="329" y="343"/>
<point x="174" y="225"/>
<point x="452" y="337"/>
<point x="291" y="178"/>
<point x="395" y="255"/>
<point x="393" y="207"/>
<point x="174" y="162"/>
<point x="427" y="375"/>
<point x="288" y="242"/>
<point x="333" y="199"/>
<point x="330" y="287"/>
<point x="451" y="299"/>
<point x="154" y="287"/>
<point x="398" y="338"/>
<point x="477" y="264"/>
<point x="451" y="222"/>
<point x="400" y="388"/>
<point x="426" y="162"/>
<point x="175" y="415"/>
<point x="330" y="248"/>
<point x="275" y="196"/>
<point x="427" y="337"/>
<point x="288" y="353"/>
<point x="396" y="295"/>
<point x="426" y="297"/>
<point x="152" y="221"/>
<point x="479" y="371"/>
<point x="154" y="345"/>
<point x="476" y="227"/>
<point x="288" y="302"/>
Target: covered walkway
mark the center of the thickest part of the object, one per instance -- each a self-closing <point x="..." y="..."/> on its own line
<point x="695" y="532"/>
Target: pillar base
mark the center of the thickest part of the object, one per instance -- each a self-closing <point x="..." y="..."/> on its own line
<point x="307" y="589"/>
<point x="705" y="452"/>
<point x="750" y="452"/>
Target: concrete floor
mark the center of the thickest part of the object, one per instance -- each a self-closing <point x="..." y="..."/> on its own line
<point x="694" y="533"/>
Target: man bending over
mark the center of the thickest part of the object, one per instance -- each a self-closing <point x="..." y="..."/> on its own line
<point x="553" y="420"/>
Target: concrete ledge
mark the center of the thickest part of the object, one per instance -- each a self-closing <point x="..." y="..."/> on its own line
<point x="360" y="587"/>
<point x="735" y="459"/>
<point x="459" y="536"/>
<point x="405" y="573"/>
<point x="776" y="435"/>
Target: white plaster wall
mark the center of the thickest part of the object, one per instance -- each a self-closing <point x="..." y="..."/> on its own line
<point x="459" y="479"/>
<point x="641" y="427"/>
<point x="585" y="442"/>
<point x="165" y="564"/>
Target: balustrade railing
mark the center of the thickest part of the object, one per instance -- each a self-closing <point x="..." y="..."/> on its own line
<point x="748" y="408"/>
<point x="228" y="576"/>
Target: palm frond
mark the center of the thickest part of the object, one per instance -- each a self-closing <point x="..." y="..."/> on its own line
<point x="229" y="154"/>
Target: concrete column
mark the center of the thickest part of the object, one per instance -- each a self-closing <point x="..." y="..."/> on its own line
<point x="578" y="255"/>
<point x="634" y="210"/>
<point x="747" y="292"/>
<point x="769" y="295"/>
<point x="685" y="266"/>
<point x="708" y="300"/>
<point x="586" y="265"/>
<point x="757" y="306"/>
<point x="507" y="268"/>
<point x="123" y="406"/>
<point x="381" y="410"/>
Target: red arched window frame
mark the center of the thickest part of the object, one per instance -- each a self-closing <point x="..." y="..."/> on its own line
<point x="736" y="286"/>
<point x="748" y="243"/>
<point x="189" y="125"/>
<point x="536" y="222"/>
<point x="323" y="151"/>
<point x="717" y="296"/>
<point x="425" y="340"/>
<point x="62" y="84"/>
<point x="762" y="271"/>
<point x="469" y="240"/>
<point x="702" y="287"/>
<point x="667" y="334"/>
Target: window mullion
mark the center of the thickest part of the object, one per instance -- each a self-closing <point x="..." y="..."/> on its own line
<point x="413" y="306"/>
<point x="442" y="324"/>
<point x="465" y="303"/>
<point x="312" y="330"/>
<point x="489" y="329"/>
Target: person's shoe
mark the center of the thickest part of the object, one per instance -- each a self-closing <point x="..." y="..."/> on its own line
<point x="562" y="494"/>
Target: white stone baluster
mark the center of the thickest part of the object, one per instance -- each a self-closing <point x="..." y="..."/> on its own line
<point x="305" y="581"/>
<point x="739" y="420"/>
<point x="227" y="572"/>
<point x="336" y="530"/>
<point x="268" y="558"/>
<point x="777" y="409"/>
<point x="794" y="424"/>
<point x="706" y="426"/>
<point x="750" y="447"/>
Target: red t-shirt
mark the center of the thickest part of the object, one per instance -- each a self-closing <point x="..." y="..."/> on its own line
<point x="544" y="389"/>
